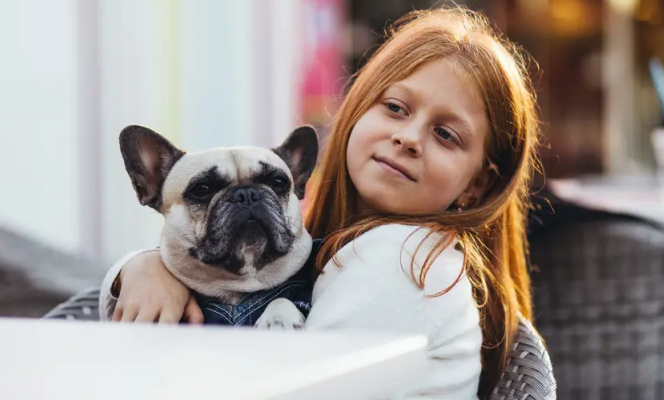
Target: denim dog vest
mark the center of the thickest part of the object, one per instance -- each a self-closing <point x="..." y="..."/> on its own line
<point x="297" y="289"/>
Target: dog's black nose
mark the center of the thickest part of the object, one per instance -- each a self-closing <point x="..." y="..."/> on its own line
<point x="246" y="196"/>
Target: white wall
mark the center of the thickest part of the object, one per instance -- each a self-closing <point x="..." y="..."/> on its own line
<point x="218" y="78"/>
<point x="239" y="71"/>
<point x="73" y="73"/>
<point x="138" y="86"/>
<point x="285" y="49"/>
<point x="203" y="73"/>
<point x="39" y="172"/>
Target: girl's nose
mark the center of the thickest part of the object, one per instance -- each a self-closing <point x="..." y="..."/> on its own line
<point x="407" y="143"/>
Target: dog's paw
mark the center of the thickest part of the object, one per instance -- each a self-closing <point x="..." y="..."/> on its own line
<point x="281" y="314"/>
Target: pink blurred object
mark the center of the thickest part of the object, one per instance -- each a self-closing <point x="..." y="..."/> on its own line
<point x="322" y="42"/>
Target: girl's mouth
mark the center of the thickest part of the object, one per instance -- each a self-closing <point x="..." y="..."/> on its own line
<point x="394" y="167"/>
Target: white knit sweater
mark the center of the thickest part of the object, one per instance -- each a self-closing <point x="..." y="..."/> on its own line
<point x="374" y="291"/>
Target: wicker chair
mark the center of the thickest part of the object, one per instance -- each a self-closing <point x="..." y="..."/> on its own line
<point x="598" y="292"/>
<point x="599" y="302"/>
<point x="528" y="375"/>
<point x="82" y="307"/>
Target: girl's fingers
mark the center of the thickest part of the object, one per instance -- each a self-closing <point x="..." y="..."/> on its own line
<point x="147" y="315"/>
<point x="117" y="314"/>
<point x="129" y="315"/>
<point x="192" y="312"/>
<point x="170" y="317"/>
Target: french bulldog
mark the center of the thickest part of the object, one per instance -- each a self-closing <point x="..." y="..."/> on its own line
<point x="232" y="220"/>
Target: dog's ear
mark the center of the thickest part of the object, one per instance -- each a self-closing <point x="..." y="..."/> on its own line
<point x="300" y="151"/>
<point x="148" y="158"/>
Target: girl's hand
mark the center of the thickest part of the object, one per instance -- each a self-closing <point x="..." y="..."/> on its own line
<point x="148" y="292"/>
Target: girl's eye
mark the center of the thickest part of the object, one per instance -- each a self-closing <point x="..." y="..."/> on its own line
<point x="444" y="134"/>
<point x="395" y="108"/>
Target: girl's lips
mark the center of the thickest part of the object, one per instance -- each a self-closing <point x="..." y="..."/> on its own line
<point x="394" y="167"/>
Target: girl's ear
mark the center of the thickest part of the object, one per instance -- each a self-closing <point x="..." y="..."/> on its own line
<point x="478" y="186"/>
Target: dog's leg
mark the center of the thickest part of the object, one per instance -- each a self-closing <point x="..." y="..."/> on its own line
<point x="281" y="314"/>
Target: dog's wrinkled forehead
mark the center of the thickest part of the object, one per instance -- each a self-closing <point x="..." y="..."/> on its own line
<point x="250" y="160"/>
<point x="238" y="165"/>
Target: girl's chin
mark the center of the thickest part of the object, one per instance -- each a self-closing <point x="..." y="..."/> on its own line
<point x="381" y="205"/>
<point x="397" y="205"/>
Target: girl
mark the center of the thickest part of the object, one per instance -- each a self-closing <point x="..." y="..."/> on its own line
<point x="426" y="172"/>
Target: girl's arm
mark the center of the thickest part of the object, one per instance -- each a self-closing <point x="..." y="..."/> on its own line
<point x="374" y="290"/>
<point x="139" y="288"/>
<point x="109" y="291"/>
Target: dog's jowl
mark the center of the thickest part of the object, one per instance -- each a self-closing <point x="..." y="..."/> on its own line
<point x="233" y="231"/>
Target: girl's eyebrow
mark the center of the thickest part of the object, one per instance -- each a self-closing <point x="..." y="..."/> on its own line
<point x="400" y="87"/>
<point x="448" y="116"/>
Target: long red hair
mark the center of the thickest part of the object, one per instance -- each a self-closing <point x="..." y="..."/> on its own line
<point x="492" y="233"/>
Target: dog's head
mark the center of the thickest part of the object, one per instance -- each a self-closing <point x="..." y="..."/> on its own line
<point x="232" y="215"/>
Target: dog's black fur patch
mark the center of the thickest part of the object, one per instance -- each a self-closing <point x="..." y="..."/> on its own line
<point x="210" y="177"/>
<point x="271" y="176"/>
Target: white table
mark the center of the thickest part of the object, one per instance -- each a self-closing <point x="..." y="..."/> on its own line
<point x="66" y="360"/>
<point x="641" y="196"/>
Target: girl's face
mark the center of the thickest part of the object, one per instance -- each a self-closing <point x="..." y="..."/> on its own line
<point x="420" y="147"/>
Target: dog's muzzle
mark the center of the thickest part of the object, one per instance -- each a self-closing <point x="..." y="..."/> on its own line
<point x="246" y="196"/>
<point x="246" y="216"/>
<point x="248" y="203"/>
<point x="252" y="208"/>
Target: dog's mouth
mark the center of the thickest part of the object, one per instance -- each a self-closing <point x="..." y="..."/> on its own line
<point x="252" y="231"/>
<point x="243" y="236"/>
<point x="251" y="234"/>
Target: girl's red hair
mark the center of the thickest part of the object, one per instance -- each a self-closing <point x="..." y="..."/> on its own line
<point x="492" y="233"/>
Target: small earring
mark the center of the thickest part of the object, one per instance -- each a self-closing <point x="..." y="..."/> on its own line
<point x="460" y="208"/>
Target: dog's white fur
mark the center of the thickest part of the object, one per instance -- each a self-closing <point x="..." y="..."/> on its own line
<point x="181" y="228"/>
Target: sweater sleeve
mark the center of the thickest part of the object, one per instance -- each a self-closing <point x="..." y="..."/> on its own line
<point x="107" y="298"/>
<point x="374" y="290"/>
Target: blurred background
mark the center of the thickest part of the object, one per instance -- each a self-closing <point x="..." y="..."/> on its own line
<point x="208" y="73"/>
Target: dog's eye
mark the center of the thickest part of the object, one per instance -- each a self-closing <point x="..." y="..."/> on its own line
<point x="279" y="182"/>
<point x="201" y="191"/>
